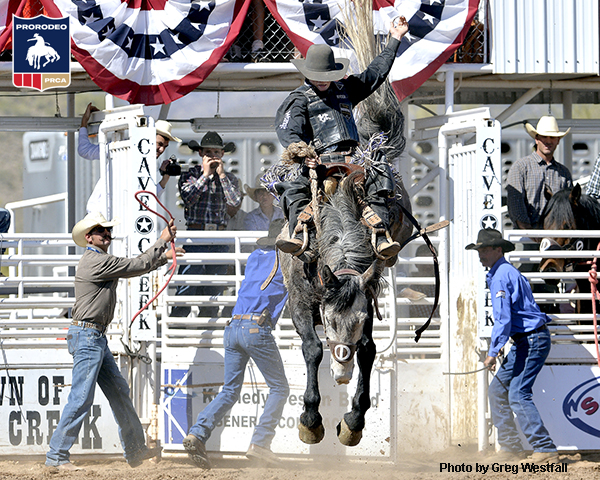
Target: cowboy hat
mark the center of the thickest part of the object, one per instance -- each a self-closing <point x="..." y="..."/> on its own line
<point x="274" y="229"/>
<point x="320" y="64"/>
<point x="252" y="191"/>
<point x="91" y="220"/>
<point x="546" y="127"/>
<point x="164" y="128"/>
<point x="490" y="237"/>
<point x="209" y="140"/>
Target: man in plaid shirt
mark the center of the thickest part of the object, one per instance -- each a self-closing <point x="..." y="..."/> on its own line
<point x="529" y="177"/>
<point x="206" y="191"/>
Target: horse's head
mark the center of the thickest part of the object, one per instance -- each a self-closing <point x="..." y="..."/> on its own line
<point x="568" y="209"/>
<point x="347" y="308"/>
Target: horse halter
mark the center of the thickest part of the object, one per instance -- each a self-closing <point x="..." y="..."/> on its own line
<point x="340" y="351"/>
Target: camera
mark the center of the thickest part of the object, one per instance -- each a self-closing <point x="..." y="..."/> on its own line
<point x="173" y="168"/>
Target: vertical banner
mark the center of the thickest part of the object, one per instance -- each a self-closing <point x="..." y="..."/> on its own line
<point x="488" y="201"/>
<point x="143" y="226"/>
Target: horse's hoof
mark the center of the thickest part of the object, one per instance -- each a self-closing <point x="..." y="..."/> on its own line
<point x="311" y="435"/>
<point x="348" y="437"/>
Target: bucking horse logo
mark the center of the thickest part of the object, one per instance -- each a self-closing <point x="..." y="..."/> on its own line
<point x="41" y="49"/>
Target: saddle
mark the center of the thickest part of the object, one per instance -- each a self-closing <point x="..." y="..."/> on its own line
<point x="330" y="174"/>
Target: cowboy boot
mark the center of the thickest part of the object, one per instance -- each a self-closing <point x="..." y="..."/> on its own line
<point x="384" y="245"/>
<point x="296" y="241"/>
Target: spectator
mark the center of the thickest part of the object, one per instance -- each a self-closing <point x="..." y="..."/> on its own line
<point x="248" y="336"/>
<point x="4" y="224"/>
<point x="516" y="316"/>
<point x="206" y="191"/>
<point x="320" y="112"/>
<point x="89" y="151"/>
<point x="261" y="217"/>
<point x="531" y="176"/>
<point x="96" y="282"/>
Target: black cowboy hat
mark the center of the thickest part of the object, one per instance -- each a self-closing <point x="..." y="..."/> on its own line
<point x="211" y="140"/>
<point x="274" y="229"/>
<point x="490" y="237"/>
<point x="320" y="65"/>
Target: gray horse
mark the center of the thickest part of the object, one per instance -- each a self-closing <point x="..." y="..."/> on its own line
<point x="338" y="291"/>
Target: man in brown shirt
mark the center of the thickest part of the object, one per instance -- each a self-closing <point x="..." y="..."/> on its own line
<point x="96" y="283"/>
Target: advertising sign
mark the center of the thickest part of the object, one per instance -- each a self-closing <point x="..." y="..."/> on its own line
<point x="31" y="402"/>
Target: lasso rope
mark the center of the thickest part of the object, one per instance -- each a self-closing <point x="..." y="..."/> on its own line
<point x="173" y="266"/>
<point x="593" y="278"/>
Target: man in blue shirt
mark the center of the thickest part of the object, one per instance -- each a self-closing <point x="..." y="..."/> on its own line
<point x="516" y="316"/>
<point x="248" y="336"/>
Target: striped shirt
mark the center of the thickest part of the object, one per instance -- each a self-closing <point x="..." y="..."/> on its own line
<point x="205" y="199"/>
<point x="525" y="187"/>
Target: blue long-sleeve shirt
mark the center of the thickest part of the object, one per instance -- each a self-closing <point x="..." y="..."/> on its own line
<point x="250" y="297"/>
<point x="514" y="307"/>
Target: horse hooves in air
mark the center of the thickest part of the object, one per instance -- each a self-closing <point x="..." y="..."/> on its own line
<point x="346" y="436"/>
<point x="311" y="435"/>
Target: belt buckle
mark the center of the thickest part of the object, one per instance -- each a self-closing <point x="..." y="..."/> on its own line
<point x="210" y="226"/>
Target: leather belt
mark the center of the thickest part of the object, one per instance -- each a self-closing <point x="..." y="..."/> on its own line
<point x="206" y="226"/>
<point x="261" y="318"/>
<point x="248" y="316"/>
<point x="519" y="336"/>
<point x="95" y="326"/>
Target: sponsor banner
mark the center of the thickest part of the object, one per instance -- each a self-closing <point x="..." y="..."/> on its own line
<point x="188" y="389"/>
<point x="31" y="402"/>
<point x="568" y="398"/>
<point x="41" y="52"/>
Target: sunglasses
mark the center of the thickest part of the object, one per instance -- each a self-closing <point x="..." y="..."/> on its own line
<point x="100" y="230"/>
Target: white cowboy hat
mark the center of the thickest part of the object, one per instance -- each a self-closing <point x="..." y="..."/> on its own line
<point x="547" y="127"/>
<point x="320" y="64"/>
<point x="252" y="191"/>
<point x="91" y="220"/>
<point x="164" y="128"/>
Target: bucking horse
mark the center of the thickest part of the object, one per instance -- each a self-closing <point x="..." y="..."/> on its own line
<point x="339" y="291"/>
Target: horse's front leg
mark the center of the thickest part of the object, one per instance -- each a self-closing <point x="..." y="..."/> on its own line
<point x="349" y="430"/>
<point x="311" y="423"/>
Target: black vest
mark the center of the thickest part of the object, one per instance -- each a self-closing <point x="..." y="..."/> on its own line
<point x="331" y="117"/>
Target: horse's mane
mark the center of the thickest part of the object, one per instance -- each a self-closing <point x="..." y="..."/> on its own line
<point x="345" y="242"/>
<point x="559" y="215"/>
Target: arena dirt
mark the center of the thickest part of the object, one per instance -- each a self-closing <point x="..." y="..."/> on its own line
<point x="584" y="466"/>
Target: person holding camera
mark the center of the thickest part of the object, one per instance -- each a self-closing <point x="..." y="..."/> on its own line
<point x="90" y="151"/>
<point x="206" y="190"/>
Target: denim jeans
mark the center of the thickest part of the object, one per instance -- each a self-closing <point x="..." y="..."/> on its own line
<point x="245" y="340"/>
<point x="210" y="290"/>
<point x="511" y="392"/>
<point x="93" y="362"/>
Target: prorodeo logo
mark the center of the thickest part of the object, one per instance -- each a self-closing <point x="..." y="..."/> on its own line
<point x="41" y="52"/>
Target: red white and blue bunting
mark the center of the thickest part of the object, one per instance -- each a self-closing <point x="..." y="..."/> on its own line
<point x="156" y="51"/>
